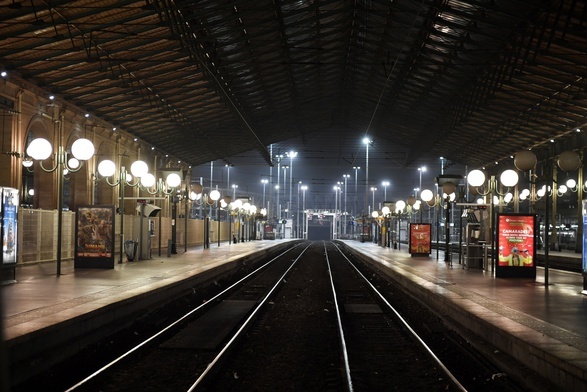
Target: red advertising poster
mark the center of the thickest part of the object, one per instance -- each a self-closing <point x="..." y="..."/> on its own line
<point x="515" y="240"/>
<point x="420" y="238"/>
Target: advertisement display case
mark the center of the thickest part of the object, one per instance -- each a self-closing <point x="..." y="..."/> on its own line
<point x="420" y="239"/>
<point x="584" y="239"/>
<point x="94" y="233"/>
<point x="516" y="243"/>
<point x="9" y="214"/>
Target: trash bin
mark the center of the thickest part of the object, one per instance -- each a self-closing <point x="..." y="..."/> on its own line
<point x="130" y="249"/>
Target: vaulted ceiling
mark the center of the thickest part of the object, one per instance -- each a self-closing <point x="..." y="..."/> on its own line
<point x="473" y="81"/>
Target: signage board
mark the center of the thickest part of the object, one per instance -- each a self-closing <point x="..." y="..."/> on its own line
<point x="584" y="258"/>
<point x="94" y="231"/>
<point x="516" y="244"/>
<point x="9" y="215"/>
<point x="420" y="239"/>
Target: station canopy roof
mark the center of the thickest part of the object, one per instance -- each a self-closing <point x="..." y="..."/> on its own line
<point x="474" y="81"/>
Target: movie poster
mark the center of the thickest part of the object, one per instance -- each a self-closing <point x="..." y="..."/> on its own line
<point x="94" y="246"/>
<point x="9" y="225"/>
<point x="516" y="243"/>
<point x="420" y="241"/>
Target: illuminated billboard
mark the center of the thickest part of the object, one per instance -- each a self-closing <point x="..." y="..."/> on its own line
<point x="516" y="244"/>
<point x="420" y="241"/>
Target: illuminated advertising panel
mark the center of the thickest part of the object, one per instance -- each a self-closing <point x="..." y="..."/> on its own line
<point x="420" y="239"/>
<point x="9" y="214"/>
<point x="94" y="247"/>
<point x="584" y="264"/>
<point x="516" y="244"/>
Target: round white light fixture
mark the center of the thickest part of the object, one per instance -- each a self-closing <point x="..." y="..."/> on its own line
<point x="173" y="180"/>
<point x="148" y="180"/>
<point x="139" y="168"/>
<point x="73" y="163"/>
<point x="106" y="168"/>
<point x="476" y="177"/>
<point x="39" y="149"/>
<point x="509" y="178"/>
<point x="82" y="149"/>
<point x="215" y="195"/>
<point x="426" y="195"/>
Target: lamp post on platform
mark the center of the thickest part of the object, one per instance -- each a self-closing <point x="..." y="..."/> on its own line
<point x="305" y="222"/>
<point x="81" y="150"/>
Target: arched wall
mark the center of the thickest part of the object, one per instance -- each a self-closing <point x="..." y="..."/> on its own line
<point x="44" y="184"/>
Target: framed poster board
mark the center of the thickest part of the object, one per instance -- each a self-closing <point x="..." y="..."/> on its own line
<point x="94" y="233"/>
<point x="9" y="213"/>
<point x="584" y="239"/>
<point x="420" y="241"/>
<point x="9" y="233"/>
<point x="516" y="244"/>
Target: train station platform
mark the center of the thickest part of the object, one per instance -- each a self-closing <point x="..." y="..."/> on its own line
<point x="543" y="327"/>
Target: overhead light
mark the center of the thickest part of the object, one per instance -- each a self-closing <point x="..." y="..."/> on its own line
<point x="51" y="97"/>
<point x="3" y="74"/>
<point x="87" y="115"/>
<point x="114" y="129"/>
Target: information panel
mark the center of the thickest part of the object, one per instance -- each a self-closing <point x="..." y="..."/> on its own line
<point x="516" y="243"/>
<point x="585" y="237"/>
<point x="420" y="239"/>
<point x="9" y="211"/>
<point x="94" y="247"/>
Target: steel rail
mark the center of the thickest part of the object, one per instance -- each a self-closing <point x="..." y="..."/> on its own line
<point x="441" y="365"/>
<point x="347" y="366"/>
<point x="176" y="322"/>
<point x="244" y="325"/>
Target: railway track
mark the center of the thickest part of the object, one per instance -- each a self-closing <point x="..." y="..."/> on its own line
<point x="308" y="319"/>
